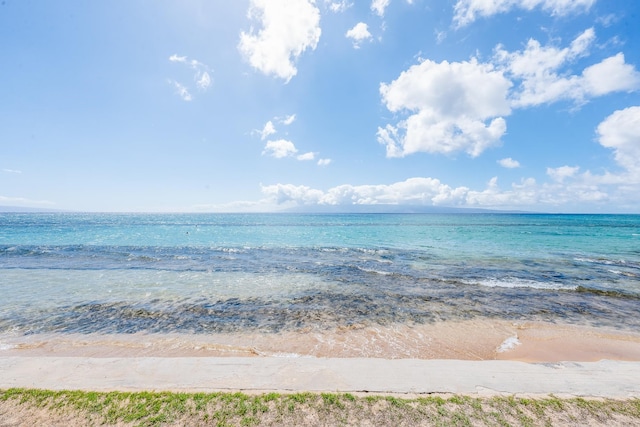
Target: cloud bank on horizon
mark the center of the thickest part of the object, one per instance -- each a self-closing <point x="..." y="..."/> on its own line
<point x="500" y="104"/>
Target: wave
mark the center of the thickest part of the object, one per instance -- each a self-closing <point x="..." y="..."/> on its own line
<point x="606" y="261"/>
<point x="513" y="282"/>
<point x="373" y="271"/>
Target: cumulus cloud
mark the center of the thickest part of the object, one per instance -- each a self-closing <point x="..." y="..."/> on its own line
<point x="568" y="188"/>
<point x="358" y="34"/>
<point x="283" y="148"/>
<point x="306" y="156"/>
<point x="461" y="106"/>
<point x="537" y="70"/>
<point x="417" y="191"/>
<point x="413" y="190"/>
<point x="267" y="130"/>
<point x="201" y="76"/>
<point x="562" y="173"/>
<point x="287" y="29"/>
<point x="425" y="191"/>
<point x="280" y="148"/>
<point x="610" y="75"/>
<point x="378" y="6"/>
<point x="509" y="163"/>
<point x="467" y="11"/>
<point x="621" y="133"/>
<point x="450" y="106"/>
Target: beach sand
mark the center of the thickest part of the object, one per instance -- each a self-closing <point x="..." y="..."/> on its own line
<point x="467" y="340"/>
<point x="506" y="347"/>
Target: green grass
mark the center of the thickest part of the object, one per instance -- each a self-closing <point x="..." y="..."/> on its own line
<point x="309" y="409"/>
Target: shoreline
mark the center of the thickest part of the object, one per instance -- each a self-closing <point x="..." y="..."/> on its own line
<point x="485" y="339"/>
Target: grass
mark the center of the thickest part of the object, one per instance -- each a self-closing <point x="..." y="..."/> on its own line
<point x="308" y="409"/>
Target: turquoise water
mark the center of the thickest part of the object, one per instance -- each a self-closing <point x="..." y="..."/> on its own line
<point x="196" y="274"/>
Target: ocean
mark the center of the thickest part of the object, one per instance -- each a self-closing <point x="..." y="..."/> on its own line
<point x="102" y="276"/>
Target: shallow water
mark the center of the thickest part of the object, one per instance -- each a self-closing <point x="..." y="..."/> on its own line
<point x="109" y="274"/>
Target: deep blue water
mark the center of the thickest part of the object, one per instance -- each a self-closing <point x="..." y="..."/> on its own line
<point x="108" y="273"/>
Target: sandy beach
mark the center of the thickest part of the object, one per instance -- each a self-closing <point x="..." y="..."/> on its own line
<point x="466" y="340"/>
<point x="464" y="357"/>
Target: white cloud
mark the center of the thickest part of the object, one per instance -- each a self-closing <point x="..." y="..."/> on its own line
<point x="12" y="171"/>
<point x="283" y="148"/>
<point x="425" y="191"/>
<point x="567" y="190"/>
<point x="460" y="106"/>
<point x="610" y="75"/>
<point x="378" y="6"/>
<point x="306" y="156"/>
<point x="203" y="81"/>
<point x="452" y="107"/>
<point x="267" y="130"/>
<point x="538" y="71"/>
<point x="270" y="129"/>
<point x="358" y="34"/>
<point x="562" y="173"/>
<point x="621" y="132"/>
<point x="287" y="120"/>
<point x="176" y="58"/>
<point x="466" y="11"/>
<point x="413" y="190"/>
<point x="181" y="90"/>
<point x="509" y="163"/>
<point x="283" y="193"/>
<point x="340" y="6"/>
<point x="201" y="76"/>
<point x="288" y="28"/>
<point x="280" y="148"/>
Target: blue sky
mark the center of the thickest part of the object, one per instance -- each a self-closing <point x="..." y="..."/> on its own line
<point x="265" y="105"/>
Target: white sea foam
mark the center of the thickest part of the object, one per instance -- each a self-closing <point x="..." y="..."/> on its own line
<point x="513" y="282"/>
<point x="4" y="347"/>
<point x="380" y="272"/>
<point x="509" y="344"/>
<point x="287" y="355"/>
<point x="599" y="261"/>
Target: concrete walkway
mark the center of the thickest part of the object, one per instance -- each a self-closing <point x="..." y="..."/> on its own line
<point x="597" y="379"/>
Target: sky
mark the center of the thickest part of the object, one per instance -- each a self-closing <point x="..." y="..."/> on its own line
<point x="270" y="105"/>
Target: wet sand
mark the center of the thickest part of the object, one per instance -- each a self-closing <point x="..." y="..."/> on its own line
<point x="468" y="340"/>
